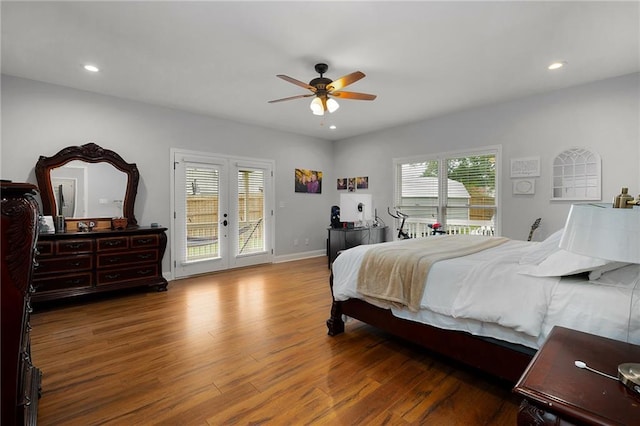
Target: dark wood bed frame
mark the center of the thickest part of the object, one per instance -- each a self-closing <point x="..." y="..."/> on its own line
<point x="503" y="360"/>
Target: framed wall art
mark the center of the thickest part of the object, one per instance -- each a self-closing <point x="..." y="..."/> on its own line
<point x="309" y="181"/>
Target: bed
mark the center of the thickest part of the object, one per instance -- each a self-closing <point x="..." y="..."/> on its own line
<point x="492" y="309"/>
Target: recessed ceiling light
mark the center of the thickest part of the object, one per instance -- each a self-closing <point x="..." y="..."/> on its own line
<point x="333" y="127"/>
<point x="556" y="65"/>
<point x="91" y="68"/>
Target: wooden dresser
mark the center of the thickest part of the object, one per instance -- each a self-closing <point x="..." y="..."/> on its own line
<point x="78" y="263"/>
<point x="20" y="379"/>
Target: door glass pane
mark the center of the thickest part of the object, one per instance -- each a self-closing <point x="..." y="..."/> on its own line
<point x="251" y="211"/>
<point x="202" y="195"/>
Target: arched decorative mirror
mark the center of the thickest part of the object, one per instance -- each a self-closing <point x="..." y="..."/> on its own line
<point x="88" y="181"/>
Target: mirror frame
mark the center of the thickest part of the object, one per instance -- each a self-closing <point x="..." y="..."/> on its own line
<point x="90" y="153"/>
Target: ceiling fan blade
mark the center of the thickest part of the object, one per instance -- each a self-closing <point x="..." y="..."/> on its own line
<point x="345" y="81"/>
<point x="354" y="95"/>
<point x="291" y="98"/>
<point x="297" y="82"/>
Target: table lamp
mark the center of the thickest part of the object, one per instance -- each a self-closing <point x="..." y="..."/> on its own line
<point x="599" y="230"/>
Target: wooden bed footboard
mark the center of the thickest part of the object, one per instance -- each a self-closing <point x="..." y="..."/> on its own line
<point x="504" y="360"/>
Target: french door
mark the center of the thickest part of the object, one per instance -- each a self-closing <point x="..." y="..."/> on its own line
<point x="223" y="215"/>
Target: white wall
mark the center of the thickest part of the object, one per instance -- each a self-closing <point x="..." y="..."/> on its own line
<point x="40" y="119"/>
<point x="602" y="116"/>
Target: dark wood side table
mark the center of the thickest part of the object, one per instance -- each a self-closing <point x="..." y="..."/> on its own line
<point x="345" y="238"/>
<point x="557" y="392"/>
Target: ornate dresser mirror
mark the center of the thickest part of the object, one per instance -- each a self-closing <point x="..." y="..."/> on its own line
<point x="88" y="182"/>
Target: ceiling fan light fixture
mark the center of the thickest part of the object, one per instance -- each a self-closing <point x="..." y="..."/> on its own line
<point x="332" y="105"/>
<point x="316" y="106"/>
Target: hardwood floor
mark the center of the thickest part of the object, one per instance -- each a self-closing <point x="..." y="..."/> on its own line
<point x="245" y="346"/>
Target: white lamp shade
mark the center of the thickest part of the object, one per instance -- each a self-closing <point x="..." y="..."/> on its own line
<point x="316" y="106"/>
<point x="601" y="231"/>
<point x="332" y="105"/>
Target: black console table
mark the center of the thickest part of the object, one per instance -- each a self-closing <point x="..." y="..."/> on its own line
<point x="344" y="238"/>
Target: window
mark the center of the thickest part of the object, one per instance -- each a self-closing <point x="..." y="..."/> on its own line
<point x="457" y="190"/>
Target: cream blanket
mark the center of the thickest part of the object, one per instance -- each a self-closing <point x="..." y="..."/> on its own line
<point x="396" y="273"/>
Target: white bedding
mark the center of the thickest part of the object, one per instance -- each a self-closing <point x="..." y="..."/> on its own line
<point x="486" y="294"/>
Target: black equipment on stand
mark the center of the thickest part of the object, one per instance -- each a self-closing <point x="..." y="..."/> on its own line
<point x="335" y="217"/>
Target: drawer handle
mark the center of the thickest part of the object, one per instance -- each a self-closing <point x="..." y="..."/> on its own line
<point x="145" y="272"/>
<point x="76" y="281"/>
<point x="73" y="246"/>
<point x="112" y="276"/>
<point x="113" y="243"/>
<point x="76" y="263"/>
<point x="114" y="259"/>
<point x="145" y="256"/>
<point x="144" y="240"/>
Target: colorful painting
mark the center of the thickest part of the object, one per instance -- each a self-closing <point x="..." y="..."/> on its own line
<point x="309" y="181"/>
<point x="362" y="182"/>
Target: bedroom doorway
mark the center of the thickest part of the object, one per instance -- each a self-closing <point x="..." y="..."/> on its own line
<point x="222" y="213"/>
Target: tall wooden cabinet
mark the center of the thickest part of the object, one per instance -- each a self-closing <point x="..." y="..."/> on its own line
<point x="20" y="378"/>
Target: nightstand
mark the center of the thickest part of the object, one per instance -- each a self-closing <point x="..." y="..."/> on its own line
<point x="557" y="392"/>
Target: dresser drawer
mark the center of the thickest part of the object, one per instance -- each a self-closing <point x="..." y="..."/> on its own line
<point x="62" y="282"/>
<point x="140" y="241"/>
<point x="127" y="274"/>
<point x="64" y="264"/>
<point x="117" y="259"/>
<point x="44" y="248"/>
<point x="74" y="246"/>
<point x="113" y="243"/>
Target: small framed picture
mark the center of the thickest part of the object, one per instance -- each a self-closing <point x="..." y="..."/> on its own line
<point x="351" y="184"/>
<point x="524" y="186"/>
<point x="362" y="182"/>
<point x="341" y="184"/>
<point x="525" y="167"/>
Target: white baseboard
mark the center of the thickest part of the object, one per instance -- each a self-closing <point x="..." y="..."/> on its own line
<point x="276" y="259"/>
<point x="299" y="256"/>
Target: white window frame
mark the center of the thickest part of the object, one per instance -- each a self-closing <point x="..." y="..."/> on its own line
<point x="495" y="150"/>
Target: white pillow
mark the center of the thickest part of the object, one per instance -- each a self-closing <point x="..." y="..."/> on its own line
<point x="597" y="273"/>
<point x="562" y="263"/>
<point x="626" y="275"/>
<point x="540" y="251"/>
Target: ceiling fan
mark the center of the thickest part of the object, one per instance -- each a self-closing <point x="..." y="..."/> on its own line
<point x="324" y="90"/>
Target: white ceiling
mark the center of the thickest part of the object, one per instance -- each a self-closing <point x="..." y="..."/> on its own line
<point x="422" y="59"/>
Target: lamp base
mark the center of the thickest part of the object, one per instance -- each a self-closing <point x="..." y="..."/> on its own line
<point x="629" y="375"/>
